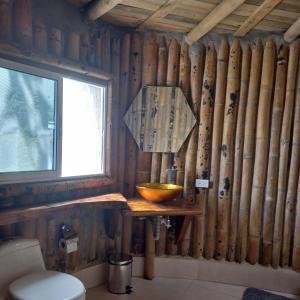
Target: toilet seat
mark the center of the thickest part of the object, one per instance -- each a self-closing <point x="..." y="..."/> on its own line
<point x="47" y="285"/>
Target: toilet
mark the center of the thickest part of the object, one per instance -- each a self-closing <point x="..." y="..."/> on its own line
<point x="23" y="275"/>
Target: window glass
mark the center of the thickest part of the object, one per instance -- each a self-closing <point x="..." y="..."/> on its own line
<point x="83" y="128"/>
<point x="27" y="122"/>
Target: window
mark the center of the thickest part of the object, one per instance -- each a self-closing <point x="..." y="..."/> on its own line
<point x="51" y="126"/>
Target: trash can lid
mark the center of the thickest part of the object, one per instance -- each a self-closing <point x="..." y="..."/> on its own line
<point x="120" y="259"/>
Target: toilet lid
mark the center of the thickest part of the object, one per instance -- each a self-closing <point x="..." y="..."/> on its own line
<point x="47" y="285"/>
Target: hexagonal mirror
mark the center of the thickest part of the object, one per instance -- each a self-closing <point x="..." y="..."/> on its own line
<point x="160" y="119"/>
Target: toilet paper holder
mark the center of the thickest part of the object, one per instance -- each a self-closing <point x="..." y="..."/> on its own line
<point x="68" y="241"/>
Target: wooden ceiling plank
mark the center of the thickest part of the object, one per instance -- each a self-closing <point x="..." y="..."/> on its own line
<point x="100" y="7"/>
<point x="292" y="32"/>
<point x="220" y="12"/>
<point x="160" y="13"/>
<point x="263" y="10"/>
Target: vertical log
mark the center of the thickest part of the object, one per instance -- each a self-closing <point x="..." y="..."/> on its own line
<point x="5" y="20"/>
<point x="135" y="84"/>
<point x="296" y="243"/>
<point x="161" y="81"/>
<point x="261" y="151"/>
<point x="74" y="257"/>
<point x="291" y="195"/>
<point x="204" y="144"/>
<point x="73" y="46"/>
<point x="98" y="51"/>
<point x="56" y="42"/>
<point x="106" y="59"/>
<point x="157" y="157"/>
<point x="93" y="241"/>
<point x="85" y="43"/>
<point x="102" y="237"/>
<point x="51" y="243"/>
<point x="238" y="151"/>
<point x="127" y="233"/>
<point x="149" y="78"/>
<point x="124" y="78"/>
<point x="41" y="233"/>
<point x="171" y="80"/>
<point x="150" y="251"/>
<point x="248" y="152"/>
<point x="22" y="23"/>
<point x="227" y="152"/>
<point x="40" y="36"/>
<point x="272" y="174"/>
<point x="284" y="151"/>
<point x="222" y="66"/>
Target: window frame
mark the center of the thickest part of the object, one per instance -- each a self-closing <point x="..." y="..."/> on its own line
<point x="58" y="75"/>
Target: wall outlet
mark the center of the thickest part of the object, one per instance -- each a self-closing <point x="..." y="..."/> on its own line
<point x="202" y="183"/>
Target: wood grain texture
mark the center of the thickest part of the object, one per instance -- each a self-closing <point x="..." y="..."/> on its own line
<point x="261" y="151"/>
<point x="248" y="152"/>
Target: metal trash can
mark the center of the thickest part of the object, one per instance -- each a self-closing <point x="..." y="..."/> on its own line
<point x="120" y="273"/>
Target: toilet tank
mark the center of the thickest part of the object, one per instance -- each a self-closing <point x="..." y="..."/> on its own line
<point x="17" y="258"/>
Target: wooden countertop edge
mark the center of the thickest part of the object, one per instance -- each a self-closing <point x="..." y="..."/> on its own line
<point x="113" y="201"/>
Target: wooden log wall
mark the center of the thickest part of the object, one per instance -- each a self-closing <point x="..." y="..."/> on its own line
<point x="246" y="142"/>
<point x="98" y="48"/>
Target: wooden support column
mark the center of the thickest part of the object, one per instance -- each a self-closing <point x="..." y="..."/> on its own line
<point x="204" y="144"/>
<point x="150" y="251"/>
<point x="238" y="152"/>
<point x="261" y="151"/>
<point x="248" y="152"/>
<point x="227" y="150"/>
<point x="217" y="131"/>
<point x="272" y="174"/>
<point x="285" y="152"/>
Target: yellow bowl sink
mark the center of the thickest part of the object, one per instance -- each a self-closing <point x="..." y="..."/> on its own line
<point x="159" y="192"/>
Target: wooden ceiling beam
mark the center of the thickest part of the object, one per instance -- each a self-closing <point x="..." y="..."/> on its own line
<point x="165" y="9"/>
<point x="263" y="10"/>
<point x="292" y="32"/>
<point x="220" y="12"/>
<point x="100" y="7"/>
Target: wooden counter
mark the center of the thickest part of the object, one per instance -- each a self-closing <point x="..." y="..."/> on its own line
<point x="143" y="208"/>
<point x="112" y="201"/>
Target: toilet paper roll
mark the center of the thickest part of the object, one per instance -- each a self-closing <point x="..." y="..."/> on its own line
<point x="69" y="245"/>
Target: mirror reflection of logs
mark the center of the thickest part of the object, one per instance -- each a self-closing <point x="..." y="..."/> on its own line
<point x="160" y="119"/>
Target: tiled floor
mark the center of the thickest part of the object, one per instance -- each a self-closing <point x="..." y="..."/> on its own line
<point x="172" y="289"/>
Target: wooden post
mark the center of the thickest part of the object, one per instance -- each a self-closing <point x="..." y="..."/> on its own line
<point x="5" y="20"/>
<point x="73" y="46"/>
<point x="291" y="195"/>
<point x="150" y="251"/>
<point x="56" y="42"/>
<point x="124" y="79"/>
<point x="238" y="151"/>
<point x="222" y="66"/>
<point x="149" y="78"/>
<point x="157" y="157"/>
<point x="204" y="144"/>
<point x="261" y="151"/>
<point x="161" y="81"/>
<point x="248" y="152"/>
<point x="135" y="84"/>
<point x="296" y="244"/>
<point x="227" y="150"/>
<point x="22" y="23"/>
<point x="197" y="68"/>
<point x="171" y="80"/>
<point x="40" y="36"/>
<point x="284" y="151"/>
<point x="51" y="243"/>
<point x="272" y="174"/>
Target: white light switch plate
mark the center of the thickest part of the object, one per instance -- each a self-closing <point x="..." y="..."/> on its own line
<point x="202" y="183"/>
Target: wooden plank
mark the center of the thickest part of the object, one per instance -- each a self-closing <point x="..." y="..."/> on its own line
<point x="224" y="9"/>
<point x="138" y="207"/>
<point x="264" y="9"/>
<point x="160" y="13"/>
<point x="100" y="8"/>
<point x="10" y="216"/>
<point x="292" y="32"/>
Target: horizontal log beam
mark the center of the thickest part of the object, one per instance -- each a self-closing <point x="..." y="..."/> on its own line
<point x="264" y="9"/>
<point x="220" y="12"/>
<point x="99" y="8"/>
<point x="292" y="32"/>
